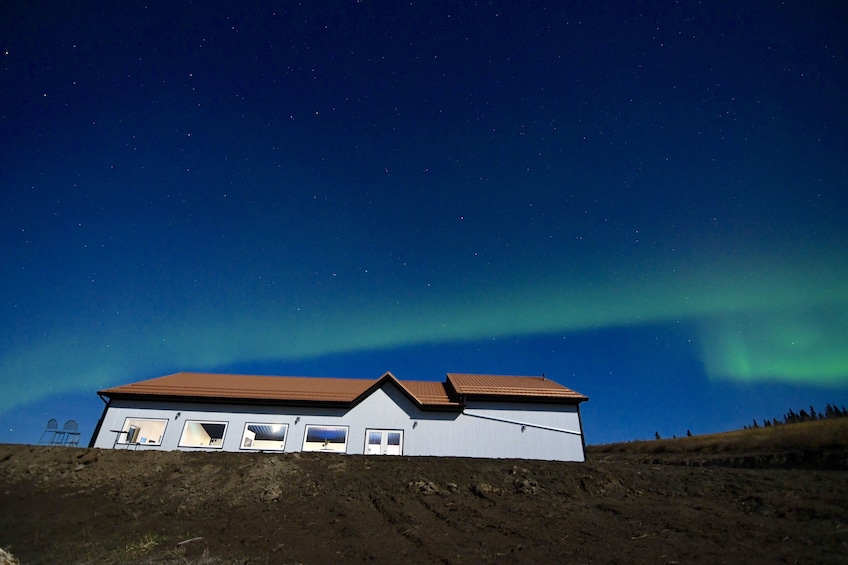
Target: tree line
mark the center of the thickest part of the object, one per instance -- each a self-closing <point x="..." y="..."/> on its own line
<point x="792" y="417"/>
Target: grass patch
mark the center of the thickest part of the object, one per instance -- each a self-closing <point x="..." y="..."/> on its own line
<point x="6" y="558"/>
<point x="145" y="544"/>
<point x="831" y="434"/>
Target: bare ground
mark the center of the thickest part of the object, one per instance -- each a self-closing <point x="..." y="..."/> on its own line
<point x="649" y="502"/>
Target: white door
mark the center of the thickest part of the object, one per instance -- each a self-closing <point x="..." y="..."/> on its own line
<point x="383" y="442"/>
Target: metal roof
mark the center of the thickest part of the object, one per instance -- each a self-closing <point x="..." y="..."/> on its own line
<point x="491" y="386"/>
<point x="245" y="387"/>
<point x="429" y="393"/>
<point x="255" y="388"/>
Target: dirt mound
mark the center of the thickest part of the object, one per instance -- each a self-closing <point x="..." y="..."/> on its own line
<point x="66" y="505"/>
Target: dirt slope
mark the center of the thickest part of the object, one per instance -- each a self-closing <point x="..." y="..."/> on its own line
<point x="625" y="505"/>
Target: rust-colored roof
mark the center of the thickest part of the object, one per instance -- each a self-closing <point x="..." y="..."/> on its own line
<point x="341" y="391"/>
<point x="246" y="387"/>
<point x="511" y="386"/>
<point x="429" y="393"/>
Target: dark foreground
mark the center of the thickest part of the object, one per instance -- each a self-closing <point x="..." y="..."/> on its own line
<point x="628" y="505"/>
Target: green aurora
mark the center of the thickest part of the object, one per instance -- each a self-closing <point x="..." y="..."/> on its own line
<point x="762" y="322"/>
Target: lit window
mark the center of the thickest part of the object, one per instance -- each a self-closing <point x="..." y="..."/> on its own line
<point x="143" y="431"/>
<point x="264" y="436"/>
<point x="325" y="438"/>
<point x="203" y="434"/>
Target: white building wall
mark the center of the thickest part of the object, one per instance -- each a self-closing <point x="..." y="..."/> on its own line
<point x="235" y="416"/>
<point x="484" y="429"/>
<point x="508" y="431"/>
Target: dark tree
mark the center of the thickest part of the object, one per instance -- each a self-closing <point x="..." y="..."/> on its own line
<point x="688" y="433"/>
<point x="657" y="435"/>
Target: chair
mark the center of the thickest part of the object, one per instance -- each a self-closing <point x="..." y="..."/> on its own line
<point x="71" y="435"/>
<point x="49" y="433"/>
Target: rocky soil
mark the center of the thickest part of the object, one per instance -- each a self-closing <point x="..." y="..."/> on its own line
<point x="625" y="505"/>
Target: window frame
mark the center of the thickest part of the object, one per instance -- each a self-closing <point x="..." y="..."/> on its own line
<point x="182" y="441"/>
<point x="123" y="435"/>
<point x="253" y="441"/>
<point x="387" y="432"/>
<point x="313" y="446"/>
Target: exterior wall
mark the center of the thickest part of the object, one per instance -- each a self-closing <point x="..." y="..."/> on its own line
<point x="500" y="430"/>
<point x="483" y="429"/>
<point x="236" y="416"/>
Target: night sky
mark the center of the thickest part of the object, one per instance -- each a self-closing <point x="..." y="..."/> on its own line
<point x="646" y="201"/>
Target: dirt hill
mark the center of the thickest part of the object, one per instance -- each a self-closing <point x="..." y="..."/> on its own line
<point x="779" y="496"/>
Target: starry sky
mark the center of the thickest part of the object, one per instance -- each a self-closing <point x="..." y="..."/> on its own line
<point x="646" y="201"/>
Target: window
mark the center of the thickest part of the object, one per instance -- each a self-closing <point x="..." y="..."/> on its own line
<point x="325" y="438"/>
<point x="142" y="431"/>
<point x="383" y="442"/>
<point x="264" y="436"/>
<point x="203" y="434"/>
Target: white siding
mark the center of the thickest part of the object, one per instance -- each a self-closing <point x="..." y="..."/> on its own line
<point x="236" y="416"/>
<point x="484" y="429"/>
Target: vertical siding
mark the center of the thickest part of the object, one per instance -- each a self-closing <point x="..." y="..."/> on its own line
<point x="485" y="429"/>
<point x="469" y="435"/>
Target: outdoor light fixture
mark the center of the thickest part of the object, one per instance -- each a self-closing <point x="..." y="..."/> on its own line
<point x="296" y="420"/>
<point x="177" y="417"/>
<point x="414" y="425"/>
<point x="523" y="428"/>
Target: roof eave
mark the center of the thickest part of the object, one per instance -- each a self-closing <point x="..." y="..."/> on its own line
<point x="123" y="395"/>
<point x="526" y="399"/>
<point x="229" y="400"/>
